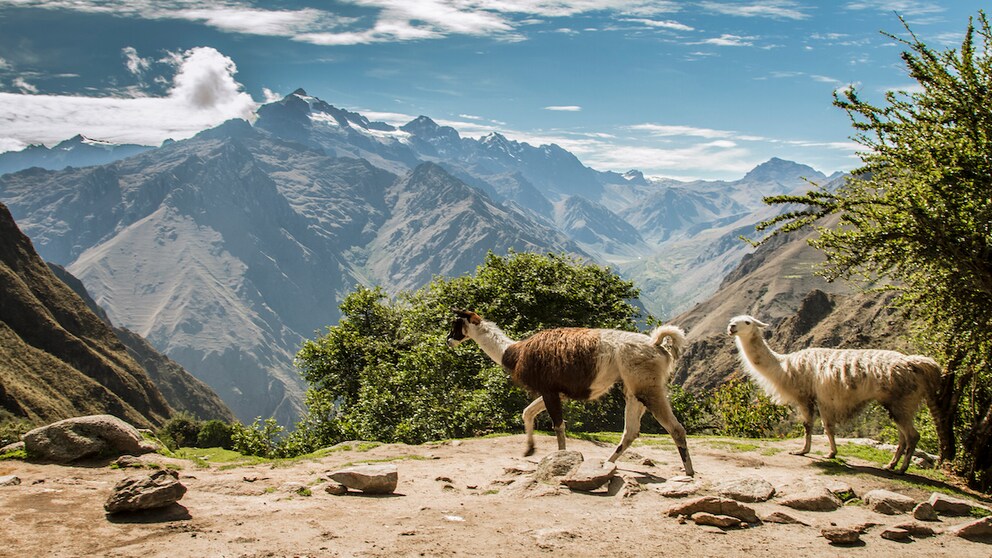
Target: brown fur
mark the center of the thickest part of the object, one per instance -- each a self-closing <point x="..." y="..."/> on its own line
<point x="555" y="361"/>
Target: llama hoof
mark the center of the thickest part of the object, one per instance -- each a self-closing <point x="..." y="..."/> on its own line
<point x="529" y="452"/>
<point x="798" y="452"/>
<point x="831" y="455"/>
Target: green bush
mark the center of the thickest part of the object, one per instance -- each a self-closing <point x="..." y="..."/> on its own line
<point x="743" y="410"/>
<point x="12" y="429"/>
<point x="215" y="434"/>
<point x="261" y="438"/>
<point x="180" y="431"/>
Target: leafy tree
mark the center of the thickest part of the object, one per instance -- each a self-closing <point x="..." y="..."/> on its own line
<point x="215" y="434"/>
<point x="385" y="373"/>
<point x="743" y="410"/>
<point x="918" y="214"/>
<point x="180" y="431"/>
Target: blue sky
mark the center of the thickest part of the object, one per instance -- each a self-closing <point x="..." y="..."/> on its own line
<point x="697" y="89"/>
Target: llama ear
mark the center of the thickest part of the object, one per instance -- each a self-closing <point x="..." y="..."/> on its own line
<point x="760" y="324"/>
<point x="472" y="317"/>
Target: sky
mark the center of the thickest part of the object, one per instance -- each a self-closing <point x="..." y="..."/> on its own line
<point x="699" y="89"/>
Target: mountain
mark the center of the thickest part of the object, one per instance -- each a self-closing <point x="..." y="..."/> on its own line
<point x="57" y="358"/>
<point x="78" y="151"/>
<point x="180" y="389"/>
<point x="226" y="250"/>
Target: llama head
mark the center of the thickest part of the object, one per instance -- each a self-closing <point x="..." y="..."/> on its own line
<point x="460" y="326"/>
<point x="745" y="325"/>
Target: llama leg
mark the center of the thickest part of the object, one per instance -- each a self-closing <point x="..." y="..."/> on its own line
<point x="828" y="430"/>
<point x="631" y="425"/>
<point x="806" y="411"/>
<point x="553" y="403"/>
<point x="656" y="401"/>
<point x="908" y="438"/>
<point x="530" y="413"/>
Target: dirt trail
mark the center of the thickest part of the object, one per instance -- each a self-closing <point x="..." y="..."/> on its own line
<point x="453" y="499"/>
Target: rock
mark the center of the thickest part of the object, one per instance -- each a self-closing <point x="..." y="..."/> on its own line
<point x="16" y="446"/>
<point x="813" y="500"/>
<point x="721" y="521"/>
<point x="949" y="505"/>
<point x="715" y="506"/>
<point x="841" y="490"/>
<point x="888" y="502"/>
<point x="557" y="464"/>
<point x="782" y="518"/>
<point x="335" y="488"/>
<point x="978" y="530"/>
<point x="128" y="462"/>
<point x="917" y="530"/>
<point x="925" y="512"/>
<point x="159" y="489"/>
<point x="841" y="535"/>
<point x="679" y="487"/>
<point x="370" y="479"/>
<point x="76" y="438"/>
<point x="896" y="534"/>
<point x="749" y="489"/>
<point x="590" y="475"/>
<point x="10" y="480"/>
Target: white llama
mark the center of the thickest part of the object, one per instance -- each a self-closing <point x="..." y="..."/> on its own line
<point x="583" y="364"/>
<point x="840" y="382"/>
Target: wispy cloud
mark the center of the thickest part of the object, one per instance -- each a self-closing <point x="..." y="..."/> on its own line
<point x="665" y="24"/>
<point x="903" y="7"/>
<point x="564" y="108"/>
<point x="775" y="9"/>
<point x="23" y="85"/>
<point x="729" y="41"/>
<point x="203" y="94"/>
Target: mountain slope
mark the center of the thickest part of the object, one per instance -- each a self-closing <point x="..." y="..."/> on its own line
<point x="57" y="358"/>
<point x="78" y="151"/>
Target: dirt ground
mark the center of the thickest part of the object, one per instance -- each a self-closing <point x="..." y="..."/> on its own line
<point x="453" y="499"/>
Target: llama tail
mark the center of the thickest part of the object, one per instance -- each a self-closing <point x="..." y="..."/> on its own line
<point x="671" y="338"/>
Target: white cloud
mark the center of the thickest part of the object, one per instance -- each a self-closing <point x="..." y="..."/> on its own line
<point x="4" y="65"/>
<point x="903" y="7"/>
<point x="564" y="108"/>
<point x="729" y="40"/>
<point x="25" y="87"/>
<point x="204" y="93"/>
<point x="134" y="63"/>
<point x="775" y="9"/>
<point x="666" y="24"/>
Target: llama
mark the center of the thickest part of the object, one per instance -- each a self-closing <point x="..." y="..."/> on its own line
<point x="840" y="382"/>
<point x="583" y="364"/>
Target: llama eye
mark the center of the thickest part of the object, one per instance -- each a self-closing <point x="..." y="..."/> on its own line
<point x="747" y="323"/>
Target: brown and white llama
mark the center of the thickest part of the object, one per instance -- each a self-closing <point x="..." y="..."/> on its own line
<point x="583" y="364"/>
<point x="840" y="382"/>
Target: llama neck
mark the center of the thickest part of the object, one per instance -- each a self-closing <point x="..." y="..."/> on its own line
<point x="760" y="358"/>
<point x="491" y="340"/>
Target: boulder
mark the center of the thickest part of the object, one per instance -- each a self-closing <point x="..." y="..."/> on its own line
<point x="370" y="479"/>
<point x="949" y="505"/>
<point x="888" y="502"/>
<point x="925" y="512"/>
<point x="10" y="480"/>
<point x="813" y="500"/>
<point x="160" y="489"/>
<point x="721" y="521"/>
<point x="782" y="518"/>
<point x="750" y="489"/>
<point x="679" y="487"/>
<point x="917" y="530"/>
<point x="978" y="530"/>
<point x="557" y="464"/>
<point x="896" y="534"/>
<point x="590" y="475"/>
<point x="715" y="506"/>
<point x="77" y="438"/>
<point x="841" y="535"/>
<point x="335" y="488"/>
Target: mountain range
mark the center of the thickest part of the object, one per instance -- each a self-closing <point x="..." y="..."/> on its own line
<point x="227" y="249"/>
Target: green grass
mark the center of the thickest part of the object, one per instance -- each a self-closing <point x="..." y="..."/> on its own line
<point x="204" y="457"/>
<point x="16" y="454"/>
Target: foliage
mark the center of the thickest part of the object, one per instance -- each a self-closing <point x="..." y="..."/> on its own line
<point x="385" y="372"/>
<point x="11" y="430"/>
<point x="261" y="438"/>
<point x="215" y="434"/>
<point x="919" y="213"/>
<point x="179" y="431"/>
<point x="743" y="410"/>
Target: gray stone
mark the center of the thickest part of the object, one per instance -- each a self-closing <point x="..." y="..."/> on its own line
<point x="782" y="518"/>
<point x="813" y="500"/>
<point x="715" y="506"/>
<point x="721" y="521"/>
<point x="159" y="489"/>
<point x="590" y="475"/>
<point x="335" y="488"/>
<point x="77" y="438"/>
<point x="888" y="502"/>
<point x="841" y="490"/>
<point x="925" y="512"/>
<point x="896" y="534"/>
<point x="128" y="461"/>
<point x="370" y="479"/>
<point x="557" y="464"/>
<point x="749" y="489"/>
<point x="841" y="535"/>
<point x="949" y="505"/>
<point x="979" y="530"/>
<point x="679" y="487"/>
<point x="10" y="480"/>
